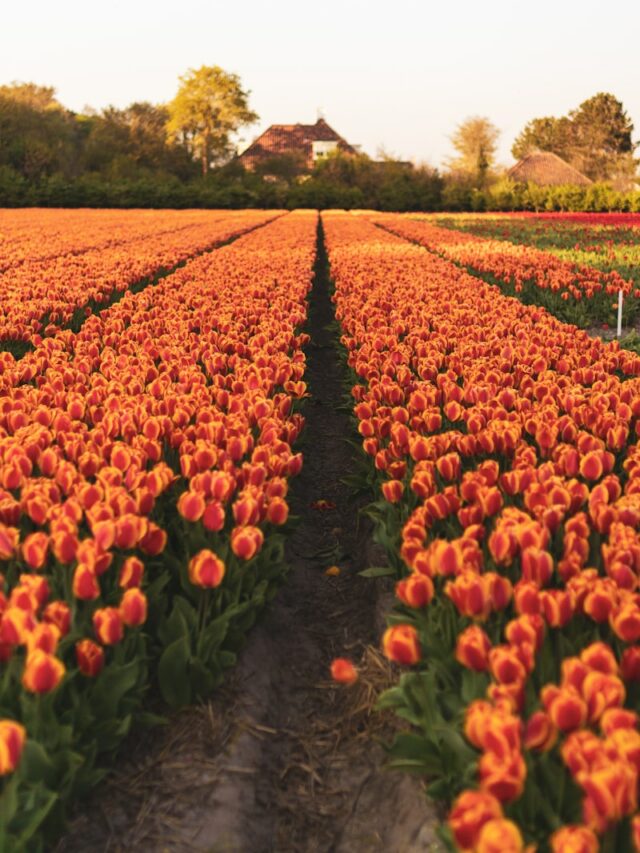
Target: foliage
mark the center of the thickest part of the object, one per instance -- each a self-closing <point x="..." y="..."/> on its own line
<point x="595" y="138"/>
<point x="127" y="143"/>
<point x="475" y="143"/>
<point x="545" y="134"/>
<point x="358" y="181"/>
<point x="601" y="129"/>
<point x="38" y="137"/>
<point x="209" y="107"/>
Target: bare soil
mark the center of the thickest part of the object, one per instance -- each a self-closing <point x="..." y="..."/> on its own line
<point x="282" y="759"/>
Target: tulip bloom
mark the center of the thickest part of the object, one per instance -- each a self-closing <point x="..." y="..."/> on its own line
<point x="42" y="672"/>
<point x="393" y="490"/>
<point x="191" y="505"/>
<point x="131" y="573"/>
<point x="85" y="583"/>
<point x="133" y="608"/>
<point x="472" y="649"/>
<point x="343" y="671"/>
<point x="90" y="658"/>
<point x="540" y="734"/>
<point x="415" y="591"/>
<point x="34" y="550"/>
<point x="566" y="708"/>
<point x="246" y="541"/>
<point x="206" y="569"/>
<point x="574" y="839"/>
<point x="12" y="738"/>
<point x="58" y="613"/>
<point x="469" y="813"/>
<point x="401" y="644"/>
<point x="108" y="626"/>
<point x="500" y="836"/>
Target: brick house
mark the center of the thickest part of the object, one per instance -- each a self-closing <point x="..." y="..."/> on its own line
<point x="307" y="142"/>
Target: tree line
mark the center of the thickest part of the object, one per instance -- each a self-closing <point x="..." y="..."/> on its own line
<point x="181" y="154"/>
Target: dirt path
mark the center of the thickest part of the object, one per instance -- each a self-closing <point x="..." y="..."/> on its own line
<point x="281" y="759"/>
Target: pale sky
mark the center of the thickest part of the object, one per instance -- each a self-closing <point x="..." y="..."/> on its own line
<point x="398" y="75"/>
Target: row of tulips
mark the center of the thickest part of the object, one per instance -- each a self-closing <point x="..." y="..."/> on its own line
<point x="561" y="233"/>
<point x="572" y="291"/>
<point x="40" y="297"/>
<point x="587" y="241"/>
<point x="144" y="468"/>
<point x="505" y="448"/>
<point x="42" y="234"/>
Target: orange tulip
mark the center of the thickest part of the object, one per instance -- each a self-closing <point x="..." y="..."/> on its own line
<point x="131" y="573"/>
<point x="108" y="625"/>
<point x="90" y="658"/>
<point x="401" y="644"/>
<point x="206" y="569"/>
<point x="58" y="613"/>
<point x="415" y="591"/>
<point x="472" y="649"/>
<point x="540" y="733"/>
<point x="343" y="671"/>
<point x="469" y="813"/>
<point x="574" y="839"/>
<point x="500" y="836"/>
<point x="246" y="541"/>
<point x="133" y="607"/>
<point x="12" y="739"/>
<point x="85" y="583"/>
<point x="42" y="672"/>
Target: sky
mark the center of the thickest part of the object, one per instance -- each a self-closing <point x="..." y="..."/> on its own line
<point x="398" y="76"/>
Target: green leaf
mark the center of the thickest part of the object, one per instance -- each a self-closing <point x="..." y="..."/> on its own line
<point x="35" y="819"/>
<point x="150" y="721"/>
<point x="174" y="627"/>
<point x="439" y="790"/>
<point x="35" y="765"/>
<point x="227" y="659"/>
<point x="416" y="751"/>
<point x="377" y="572"/>
<point x="459" y="748"/>
<point x="474" y="685"/>
<point x="173" y="673"/>
<point x="9" y="801"/>
<point x="203" y="678"/>
<point x="111" y="686"/>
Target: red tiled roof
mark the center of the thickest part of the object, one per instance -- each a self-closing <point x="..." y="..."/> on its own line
<point x="294" y="139"/>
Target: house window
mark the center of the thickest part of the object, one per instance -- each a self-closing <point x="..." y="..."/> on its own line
<point x="323" y="147"/>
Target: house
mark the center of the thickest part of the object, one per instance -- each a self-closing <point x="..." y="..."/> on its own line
<point x="546" y="169"/>
<point x="306" y="142"/>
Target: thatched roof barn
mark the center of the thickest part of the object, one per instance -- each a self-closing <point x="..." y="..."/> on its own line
<point x="546" y="169"/>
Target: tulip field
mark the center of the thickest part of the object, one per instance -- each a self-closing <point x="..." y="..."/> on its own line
<point x="575" y="270"/>
<point x="152" y="399"/>
<point x="145" y="464"/>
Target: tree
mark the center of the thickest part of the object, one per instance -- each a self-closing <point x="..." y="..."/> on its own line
<point x="595" y="138"/>
<point x="602" y="137"/>
<point x="210" y="106"/>
<point x="475" y="142"/>
<point x="545" y="134"/>
<point x="37" y="135"/>
<point x="133" y="141"/>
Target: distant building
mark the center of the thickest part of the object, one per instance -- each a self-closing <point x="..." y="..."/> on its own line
<point x="546" y="169"/>
<point x="307" y="142"/>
